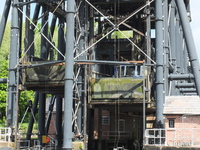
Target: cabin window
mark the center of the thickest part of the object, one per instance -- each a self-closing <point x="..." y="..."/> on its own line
<point x="171" y="123"/>
<point x="105" y="120"/>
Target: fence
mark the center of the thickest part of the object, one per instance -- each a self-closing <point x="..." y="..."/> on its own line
<point x="113" y="134"/>
<point x="5" y="133"/>
<point x="173" y="137"/>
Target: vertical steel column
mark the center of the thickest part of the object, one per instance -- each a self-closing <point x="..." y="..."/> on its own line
<point x="12" y="114"/>
<point x="159" y="62"/>
<point x="41" y="118"/>
<point x="69" y="62"/>
<point x="185" y="59"/>
<point x="166" y="46"/>
<point x="20" y="31"/>
<point x="31" y="121"/>
<point x="190" y="43"/>
<point x="93" y="68"/>
<point x="148" y="40"/>
<point x="4" y="18"/>
<point x="177" y="40"/>
<point x="61" y="39"/>
<point x="172" y="43"/>
<point x="59" y="100"/>
<point x="48" y="116"/>
<point x="181" y="48"/>
<point x="59" y="136"/>
<point x="81" y="74"/>
<point x="30" y="53"/>
<point x="44" y="50"/>
<point x="27" y="28"/>
<point x="50" y="37"/>
<point x="42" y="96"/>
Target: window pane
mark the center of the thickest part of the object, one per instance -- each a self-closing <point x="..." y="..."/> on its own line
<point x="105" y="120"/>
<point x="171" y="123"/>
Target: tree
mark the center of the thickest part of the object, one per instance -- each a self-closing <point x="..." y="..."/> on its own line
<point x="4" y="52"/>
<point x="4" y="57"/>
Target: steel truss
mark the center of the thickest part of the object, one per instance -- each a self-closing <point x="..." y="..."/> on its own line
<point x="83" y="25"/>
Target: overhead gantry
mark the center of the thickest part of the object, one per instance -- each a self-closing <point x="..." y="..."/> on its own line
<point x="107" y="65"/>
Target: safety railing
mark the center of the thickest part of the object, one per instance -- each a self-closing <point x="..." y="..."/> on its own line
<point x="155" y="137"/>
<point x="5" y="133"/>
<point x="114" y="134"/>
<point x="23" y="144"/>
<point x="187" y="137"/>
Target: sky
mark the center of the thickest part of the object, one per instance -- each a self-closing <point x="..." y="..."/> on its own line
<point x="195" y="24"/>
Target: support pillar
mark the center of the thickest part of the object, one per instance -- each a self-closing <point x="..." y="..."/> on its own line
<point x="172" y="44"/>
<point x="159" y="63"/>
<point x="41" y="119"/>
<point x="33" y="112"/>
<point x="13" y="78"/>
<point x="68" y="95"/>
<point x="59" y="136"/>
<point x="4" y="19"/>
<point x="59" y="100"/>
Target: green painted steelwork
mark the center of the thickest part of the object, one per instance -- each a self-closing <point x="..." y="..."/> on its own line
<point x="111" y="89"/>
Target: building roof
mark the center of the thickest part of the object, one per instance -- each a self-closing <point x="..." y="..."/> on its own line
<point x="182" y="105"/>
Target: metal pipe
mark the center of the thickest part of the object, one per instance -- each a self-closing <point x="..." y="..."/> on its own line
<point x="41" y="118"/>
<point x="159" y="62"/>
<point x="149" y="53"/>
<point x="59" y="135"/>
<point x="13" y="60"/>
<point x="61" y="39"/>
<point x="59" y="100"/>
<point x="181" y="76"/>
<point x="68" y="95"/>
<point x="31" y="31"/>
<point x="190" y="43"/>
<point x="81" y="74"/>
<point x="50" y="37"/>
<point x="44" y="50"/>
<point x="49" y="115"/>
<point x="31" y="121"/>
<point x="188" y="90"/>
<point x="181" y="51"/>
<point x="177" y="40"/>
<point x="4" y="19"/>
<point x="185" y="59"/>
<point x="172" y="43"/>
<point x="172" y="33"/>
<point x="27" y="28"/>
<point x="166" y="46"/>
<point x="185" y="85"/>
<point x="42" y="96"/>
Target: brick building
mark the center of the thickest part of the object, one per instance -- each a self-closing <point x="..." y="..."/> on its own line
<point x="182" y="120"/>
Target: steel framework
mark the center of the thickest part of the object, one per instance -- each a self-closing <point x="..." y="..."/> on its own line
<point x="94" y="39"/>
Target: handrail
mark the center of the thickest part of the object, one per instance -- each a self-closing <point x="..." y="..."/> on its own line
<point x="5" y="133"/>
<point x="113" y="134"/>
<point x="173" y="137"/>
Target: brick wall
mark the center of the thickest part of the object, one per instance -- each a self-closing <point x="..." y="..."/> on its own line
<point x="185" y="132"/>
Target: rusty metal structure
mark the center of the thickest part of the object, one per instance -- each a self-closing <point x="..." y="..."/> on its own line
<point x="106" y="64"/>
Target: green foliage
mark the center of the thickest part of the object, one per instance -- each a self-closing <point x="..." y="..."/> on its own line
<point x="4" y="61"/>
<point x="4" y="49"/>
<point x="120" y="35"/>
<point x="25" y="96"/>
<point x="3" y="88"/>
